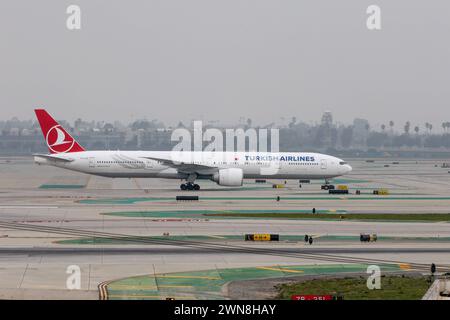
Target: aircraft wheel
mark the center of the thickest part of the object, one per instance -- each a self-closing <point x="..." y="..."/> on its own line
<point x="183" y="186"/>
<point x="196" y="187"/>
<point x="190" y="186"/>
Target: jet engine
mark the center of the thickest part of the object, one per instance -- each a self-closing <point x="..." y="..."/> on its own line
<point x="232" y="177"/>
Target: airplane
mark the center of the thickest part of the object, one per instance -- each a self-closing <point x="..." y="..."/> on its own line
<point x="224" y="168"/>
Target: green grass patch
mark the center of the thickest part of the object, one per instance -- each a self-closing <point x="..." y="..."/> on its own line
<point x="392" y="288"/>
<point x="62" y="186"/>
<point x="284" y="214"/>
<point x="429" y="217"/>
<point x="179" y="214"/>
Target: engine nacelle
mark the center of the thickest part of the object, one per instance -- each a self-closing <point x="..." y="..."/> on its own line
<point x="231" y="177"/>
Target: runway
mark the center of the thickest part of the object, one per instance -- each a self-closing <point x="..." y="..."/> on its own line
<point x="49" y="218"/>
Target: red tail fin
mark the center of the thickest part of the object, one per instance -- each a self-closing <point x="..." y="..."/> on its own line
<point x="57" y="138"/>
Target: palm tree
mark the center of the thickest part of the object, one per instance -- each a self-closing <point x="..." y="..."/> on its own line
<point x="383" y="127"/>
<point x="407" y="126"/>
<point x="445" y="125"/>
<point x="416" y="129"/>
<point x="391" y="124"/>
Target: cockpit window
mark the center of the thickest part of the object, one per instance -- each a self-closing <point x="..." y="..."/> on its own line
<point x="342" y="163"/>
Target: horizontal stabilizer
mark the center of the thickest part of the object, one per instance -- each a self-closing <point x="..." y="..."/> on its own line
<point x="52" y="157"/>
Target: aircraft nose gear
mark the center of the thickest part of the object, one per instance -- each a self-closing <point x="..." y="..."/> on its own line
<point x="189" y="186"/>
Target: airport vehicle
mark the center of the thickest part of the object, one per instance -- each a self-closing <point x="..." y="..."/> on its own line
<point x="341" y="189"/>
<point x="368" y="237"/>
<point x="225" y="168"/>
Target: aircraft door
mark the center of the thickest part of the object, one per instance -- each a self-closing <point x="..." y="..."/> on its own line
<point x="91" y="162"/>
<point x="323" y="163"/>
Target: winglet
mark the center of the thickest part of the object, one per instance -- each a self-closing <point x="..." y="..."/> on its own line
<point x="57" y="138"/>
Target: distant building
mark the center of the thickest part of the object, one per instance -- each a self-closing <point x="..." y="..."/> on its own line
<point x="325" y="135"/>
<point x="327" y="119"/>
<point x="360" y="132"/>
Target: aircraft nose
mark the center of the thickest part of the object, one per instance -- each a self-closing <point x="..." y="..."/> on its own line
<point x="348" y="168"/>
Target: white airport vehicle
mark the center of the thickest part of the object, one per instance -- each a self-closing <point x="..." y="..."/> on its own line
<point x="225" y="168"/>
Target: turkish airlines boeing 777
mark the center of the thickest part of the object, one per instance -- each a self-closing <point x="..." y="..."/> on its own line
<point x="225" y="168"/>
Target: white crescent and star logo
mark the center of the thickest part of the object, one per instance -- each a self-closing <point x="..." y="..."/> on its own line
<point x="58" y="141"/>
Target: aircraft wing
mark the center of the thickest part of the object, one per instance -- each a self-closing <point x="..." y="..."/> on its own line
<point x="53" y="157"/>
<point x="186" y="167"/>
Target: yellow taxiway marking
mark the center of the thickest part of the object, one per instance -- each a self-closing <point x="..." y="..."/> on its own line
<point x="122" y="287"/>
<point x="189" y="277"/>
<point x="405" y="266"/>
<point x="148" y="296"/>
<point x="118" y="286"/>
<point x="280" y="269"/>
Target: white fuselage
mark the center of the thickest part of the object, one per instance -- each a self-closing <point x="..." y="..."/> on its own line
<point x="134" y="164"/>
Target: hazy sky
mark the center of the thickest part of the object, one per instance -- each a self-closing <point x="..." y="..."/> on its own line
<point x="222" y="59"/>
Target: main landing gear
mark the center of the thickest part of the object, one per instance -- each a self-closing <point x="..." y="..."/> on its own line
<point x="189" y="186"/>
